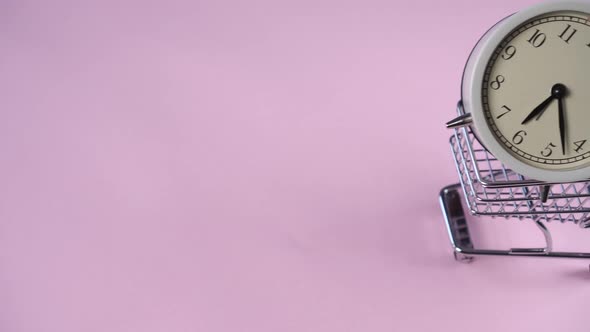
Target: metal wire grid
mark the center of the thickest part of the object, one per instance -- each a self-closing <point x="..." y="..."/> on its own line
<point x="493" y="190"/>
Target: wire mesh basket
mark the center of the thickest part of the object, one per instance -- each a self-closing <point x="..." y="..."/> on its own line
<point x="492" y="189"/>
<point x="489" y="188"/>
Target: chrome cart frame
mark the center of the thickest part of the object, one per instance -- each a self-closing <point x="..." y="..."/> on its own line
<point x="488" y="188"/>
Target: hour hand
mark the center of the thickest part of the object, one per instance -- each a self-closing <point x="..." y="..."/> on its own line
<point x="538" y="110"/>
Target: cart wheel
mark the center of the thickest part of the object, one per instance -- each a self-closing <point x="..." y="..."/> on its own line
<point x="462" y="258"/>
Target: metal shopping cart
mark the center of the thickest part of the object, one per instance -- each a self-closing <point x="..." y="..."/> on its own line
<point x="487" y="188"/>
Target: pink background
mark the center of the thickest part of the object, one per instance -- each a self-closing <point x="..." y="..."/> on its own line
<point x="264" y="166"/>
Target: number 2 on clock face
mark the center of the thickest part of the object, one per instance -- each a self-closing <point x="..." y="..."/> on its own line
<point x="536" y="91"/>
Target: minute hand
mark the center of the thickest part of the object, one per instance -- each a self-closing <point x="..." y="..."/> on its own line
<point x="561" y="124"/>
<point x="538" y="110"/>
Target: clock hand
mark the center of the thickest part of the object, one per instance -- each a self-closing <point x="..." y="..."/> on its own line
<point x="538" y="111"/>
<point x="557" y="92"/>
<point x="561" y="124"/>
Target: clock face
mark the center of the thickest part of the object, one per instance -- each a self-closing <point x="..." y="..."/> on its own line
<point x="536" y="91"/>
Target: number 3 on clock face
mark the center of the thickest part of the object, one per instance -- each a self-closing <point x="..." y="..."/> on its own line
<point x="527" y="86"/>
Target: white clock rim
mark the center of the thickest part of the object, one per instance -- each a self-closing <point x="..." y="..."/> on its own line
<point x="471" y="94"/>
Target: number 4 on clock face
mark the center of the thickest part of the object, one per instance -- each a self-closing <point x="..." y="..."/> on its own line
<point x="579" y="145"/>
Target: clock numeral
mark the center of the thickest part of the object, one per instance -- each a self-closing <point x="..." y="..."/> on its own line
<point x="567" y="34"/>
<point x="538" y="39"/>
<point x="518" y="138"/>
<point x="579" y="145"/>
<point x="498" y="82"/>
<point x="548" y="150"/>
<point x="508" y="110"/>
<point x="509" y="52"/>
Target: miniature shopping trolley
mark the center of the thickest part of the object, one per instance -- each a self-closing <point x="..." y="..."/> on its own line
<point x="488" y="188"/>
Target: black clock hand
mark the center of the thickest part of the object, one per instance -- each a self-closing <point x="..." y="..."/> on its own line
<point x="557" y="92"/>
<point x="538" y="111"/>
<point x="561" y="124"/>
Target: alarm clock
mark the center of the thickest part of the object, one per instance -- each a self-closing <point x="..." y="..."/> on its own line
<point x="526" y="91"/>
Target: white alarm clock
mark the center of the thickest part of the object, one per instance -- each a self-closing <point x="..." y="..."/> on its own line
<point x="526" y="89"/>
